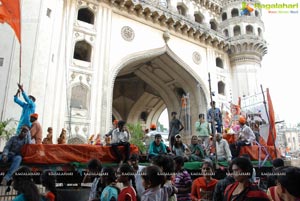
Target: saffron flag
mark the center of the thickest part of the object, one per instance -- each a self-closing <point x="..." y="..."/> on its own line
<point x="272" y="130"/>
<point x="10" y="13"/>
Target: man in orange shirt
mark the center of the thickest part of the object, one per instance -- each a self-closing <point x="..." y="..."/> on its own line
<point x="36" y="129"/>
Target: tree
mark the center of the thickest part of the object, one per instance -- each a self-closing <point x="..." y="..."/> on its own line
<point x="137" y="135"/>
<point x="5" y="130"/>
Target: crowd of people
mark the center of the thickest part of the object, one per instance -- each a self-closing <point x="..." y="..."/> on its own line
<point x="165" y="178"/>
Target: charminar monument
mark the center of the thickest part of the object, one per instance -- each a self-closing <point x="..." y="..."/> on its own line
<point x="88" y="62"/>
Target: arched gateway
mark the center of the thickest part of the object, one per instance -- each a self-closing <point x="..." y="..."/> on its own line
<point x="149" y="82"/>
<point x="89" y="60"/>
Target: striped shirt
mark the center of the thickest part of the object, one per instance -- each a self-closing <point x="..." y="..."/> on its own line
<point x="182" y="180"/>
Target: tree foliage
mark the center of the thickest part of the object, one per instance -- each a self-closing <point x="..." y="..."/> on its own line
<point x="5" y="129"/>
<point x="137" y="135"/>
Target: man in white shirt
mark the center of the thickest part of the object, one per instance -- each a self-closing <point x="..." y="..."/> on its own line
<point x="223" y="151"/>
<point x="246" y="134"/>
<point x="246" y="137"/>
<point x="120" y="137"/>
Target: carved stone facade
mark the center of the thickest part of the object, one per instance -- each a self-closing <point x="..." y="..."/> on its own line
<point x="96" y="60"/>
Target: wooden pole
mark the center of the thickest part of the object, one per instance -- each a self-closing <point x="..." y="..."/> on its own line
<point x="213" y="121"/>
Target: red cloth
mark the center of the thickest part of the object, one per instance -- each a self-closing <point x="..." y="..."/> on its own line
<point x="127" y="193"/>
<point x="253" y="152"/>
<point x="201" y="190"/>
<point x="10" y="13"/>
<point x="253" y="193"/>
<point x="65" y="153"/>
<point x="50" y="196"/>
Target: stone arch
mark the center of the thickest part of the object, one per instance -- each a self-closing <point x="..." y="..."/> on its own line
<point x="221" y="88"/>
<point x="86" y="15"/>
<point x="234" y="12"/>
<point x="259" y="32"/>
<point x="141" y="62"/>
<point x="116" y="114"/>
<point x="219" y="62"/>
<point x="182" y="9"/>
<point x="224" y="16"/>
<point x="199" y="17"/>
<point x="236" y="30"/>
<point x="225" y="32"/>
<point x="213" y="24"/>
<point x="82" y="51"/>
<point x="249" y="29"/>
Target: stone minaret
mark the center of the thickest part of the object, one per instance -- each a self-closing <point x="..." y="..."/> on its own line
<point x="247" y="46"/>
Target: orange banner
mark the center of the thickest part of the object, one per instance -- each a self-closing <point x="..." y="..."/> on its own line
<point x="272" y="130"/>
<point x="10" y="13"/>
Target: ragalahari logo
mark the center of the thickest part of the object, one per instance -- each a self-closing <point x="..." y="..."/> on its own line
<point x="246" y="9"/>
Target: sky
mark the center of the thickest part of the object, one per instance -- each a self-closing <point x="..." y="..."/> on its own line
<point x="280" y="66"/>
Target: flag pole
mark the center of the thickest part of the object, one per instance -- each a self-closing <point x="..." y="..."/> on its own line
<point x="213" y="121"/>
<point x="20" y="64"/>
<point x="267" y="113"/>
<point x="20" y="58"/>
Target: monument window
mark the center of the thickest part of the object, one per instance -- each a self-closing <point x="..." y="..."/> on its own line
<point x="235" y="12"/>
<point x="79" y="97"/>
<point x="221" y="88"/>
<point x="82" y="51"/>
<point x="256" y="13"/>
<point x="213" y="25"/>
<point x="249" y="29"/>
<point x="226" y="32"/>
<point x="219" y="62"/>
<point x="181" y="10"/>
<point x="224" y="16"/>
<point x="259" y="31"/>
<point x="199" y="18"/>
<point x="237" y="30"/>
<point x="86" y="15"/>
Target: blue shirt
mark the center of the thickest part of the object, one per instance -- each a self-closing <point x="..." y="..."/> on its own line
<point x="28" y="108"/>
<point x="21" y="197"/>
<point x="156" y="150"/>
<point x="14" y="145"/>
<point x="109" y="193"/>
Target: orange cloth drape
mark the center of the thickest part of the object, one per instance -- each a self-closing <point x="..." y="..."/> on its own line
<point x="64" y="153"/>
<point x="10" y="13"/>
<point x="272" y="129"/>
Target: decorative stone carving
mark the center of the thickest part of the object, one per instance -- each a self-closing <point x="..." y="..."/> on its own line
<point x="166" y="36"/>
<point x="196" y="57"/>
<point x="127" y="33"/>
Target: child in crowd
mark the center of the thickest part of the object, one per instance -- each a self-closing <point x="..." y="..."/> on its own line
<point x="183" y="181"/>
<point x="126" y="176"/>
<point x="108" y="179"/>
<point x="203" y="187"/>
<point x="153" y="181"/>
<point x="167" y="164"/>
<point x="22" y="182"/>
<point x="48" y="180"/>
<point x="93" y="175"/>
